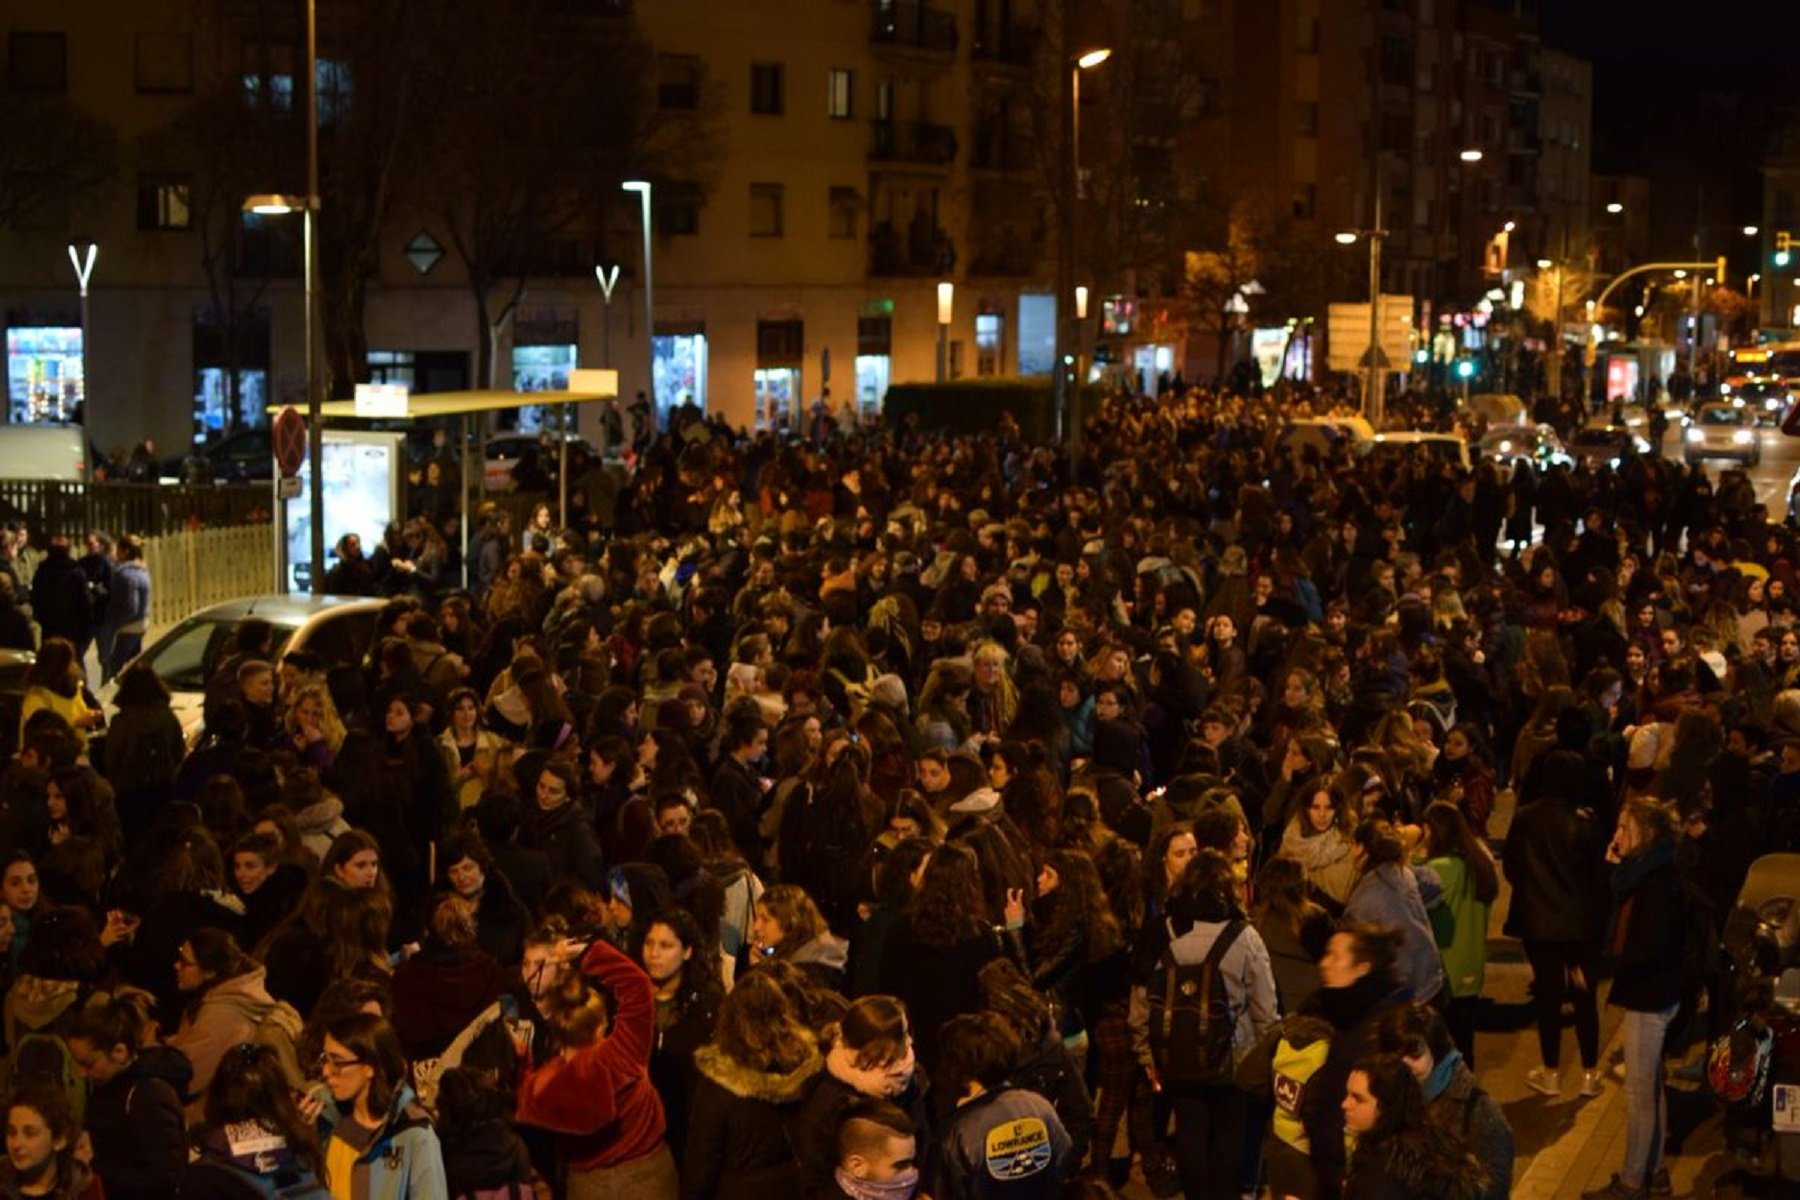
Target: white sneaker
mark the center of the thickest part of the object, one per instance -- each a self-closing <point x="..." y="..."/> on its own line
<point x="1544" y="1080"/>
<point x="1591" y="1083"/>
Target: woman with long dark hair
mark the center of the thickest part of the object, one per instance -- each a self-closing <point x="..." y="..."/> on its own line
<point x="826" y="829"/>
<point x="683" y="967"/>
<point x="1454" y="1100"/>
<point x="144" y="747"/>
<point x="253" y="1140"/>
<point x="1073" y="931"/>
<point x="1470" y="879"/>
<point x="933" y="955"/>
<point x="1400" y="1152"/>
<point x="226" y="1001"/>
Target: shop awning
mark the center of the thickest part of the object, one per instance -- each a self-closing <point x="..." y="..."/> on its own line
<point x="460" y="404"/>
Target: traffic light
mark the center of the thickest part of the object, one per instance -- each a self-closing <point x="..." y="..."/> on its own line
<point x="1782" y="240"/>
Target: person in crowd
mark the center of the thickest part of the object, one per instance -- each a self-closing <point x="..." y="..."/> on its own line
<point x="42" y="1140"/>
<point x="439" y="990"/>
<point x="1318" y="837"/>
<point x="54" y="684"/>
<point x="253" y="1139"/>
<point x="1391" y="894"/>
<point x="380" y="1142"/>
<point x="127" y="616"/>
<point x="1455" y="1101"/>
<point x="875" y="1153"/>
<point x="1470" y="882"/>
<point x="1646" y="947"/>
<point x="990" y="1121"/>
<point x="483" y="1153"/>
<point x="679" y="960"/>
<point x="787" y="925"/>
<point x="226" y="1001"/>
<point x="1293" y="928"/>
<point x="134" y="1112"/>
<point x="1400" y="1152"/>
<point x="501" y="920"/>
<point x="868" y="1057"/>
<point x="753" y="1077"/>
<point x="144" y="747"/>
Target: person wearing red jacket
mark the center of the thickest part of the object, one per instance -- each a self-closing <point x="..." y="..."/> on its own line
<point x="594" y="1089"/>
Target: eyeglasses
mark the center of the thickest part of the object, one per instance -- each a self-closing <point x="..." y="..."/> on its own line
<point x="182" y="960"/>
<point x="331" y="1062"/>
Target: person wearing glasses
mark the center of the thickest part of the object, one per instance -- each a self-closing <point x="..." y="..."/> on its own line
<point x="381" y="1144"/>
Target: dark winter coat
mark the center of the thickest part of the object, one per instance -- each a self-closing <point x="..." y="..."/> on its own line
<point x="437" y="993"/>
<point x="1409" y="1166"/>
<point x="1646" y="942"/>
<point x="1555" y="862"/>
<point x="567" y="838"/>
<point x="683" y="1026"/>
<point x="1353" y="1013"/>
<point x="936" y="982"/>
<point x="741" y="1134"/>
<point x="485" y="1157"/>
<point x="136" y="1124"/>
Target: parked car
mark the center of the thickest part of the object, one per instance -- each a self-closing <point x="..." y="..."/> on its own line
<point x="1537" y="444"/>
<point x="246" y="456"/>
<point x="1603" y="445"/>
<point x="1721" y="429"/>
<point x="57" y="452"/>
<point x="1325" y="434"/>
<point x="13" y="666"/>
<point x="336" y="628"/>
<point x="1448" y="447"/>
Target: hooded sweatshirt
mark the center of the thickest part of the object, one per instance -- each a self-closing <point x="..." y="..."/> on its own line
<point x="135" y="1122"/>
<point x="226" y="1016"/>
<point x="742" y="1131"/>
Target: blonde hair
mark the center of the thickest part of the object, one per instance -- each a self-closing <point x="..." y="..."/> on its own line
<point x="330" y="724"/>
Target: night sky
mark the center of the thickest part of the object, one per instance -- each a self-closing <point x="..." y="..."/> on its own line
<point x="1691" y="101"/>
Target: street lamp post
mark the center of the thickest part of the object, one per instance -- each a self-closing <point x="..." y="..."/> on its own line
<point x="1372" y="398"/>
<point x="946" y="311"/>
<point x="1066" y="256"/>
<point x="642" y="188"/>
<point x="83" y="253"/>
<point x="308" y="206"/>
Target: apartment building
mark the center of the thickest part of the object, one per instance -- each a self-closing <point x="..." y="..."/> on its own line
<point x="866" y="151"/>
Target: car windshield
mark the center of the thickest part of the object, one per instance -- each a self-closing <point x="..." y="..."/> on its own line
<point x="188" y="655"/>
<point x="1721" y="414"/>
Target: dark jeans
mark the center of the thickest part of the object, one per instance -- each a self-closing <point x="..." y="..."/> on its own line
<point x="1209" y="1140"/>
<point x="1459" y="1018"/>
<point x="125" y="647"/>
<point x="1551" y="963"/>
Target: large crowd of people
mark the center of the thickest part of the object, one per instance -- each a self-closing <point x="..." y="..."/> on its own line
<point x="875" y="813"/>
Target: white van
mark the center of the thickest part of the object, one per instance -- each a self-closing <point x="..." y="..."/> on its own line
<point x="57" y="452"/>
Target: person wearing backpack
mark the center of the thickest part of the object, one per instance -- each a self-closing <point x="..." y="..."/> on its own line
<point x="253" y="1142"/>
<point x="134" y="1111"/>
<point x="1207" y="996"/>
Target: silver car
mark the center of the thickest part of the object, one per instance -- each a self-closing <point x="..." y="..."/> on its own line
<point x="1721" y="429"/>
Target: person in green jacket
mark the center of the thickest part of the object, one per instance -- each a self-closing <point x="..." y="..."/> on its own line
<point x="1471" y="879"/>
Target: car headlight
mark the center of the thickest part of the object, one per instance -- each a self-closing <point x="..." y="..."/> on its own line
<point x="1743" y="437"/>
<point x="1695" y="435"/>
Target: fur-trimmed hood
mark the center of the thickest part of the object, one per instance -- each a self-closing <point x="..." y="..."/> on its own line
<point x="784" y="1087"/>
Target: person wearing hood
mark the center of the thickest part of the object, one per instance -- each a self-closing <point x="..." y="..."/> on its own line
<point x="635" y="892"/>
<point x="560" y="826"/>
<point x="1357" y="986"/>
<point x="747" y="1104"/>
<point x="1646" y="945"/>
<point x="868" y="1057"/>
<point x="1454" y="1100"/>
<point x="227" y="1001"/>
<point x="1210" y="1118"/>
<point x="439" y="990"/>
<point x="1391" y="894"/>
<point x="380" y="1142"/>
<point x="788" y="926"/>
<point x="253" y="1142"/>
<point x="134" y="1111"/>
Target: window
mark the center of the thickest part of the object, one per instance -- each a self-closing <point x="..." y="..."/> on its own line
<point x="884" y="100"/>
<point x="838" y="88"/>
<point x="678" y="82"/>
<point x="678" y="210"/>
<point x="1306" y="120"/>
<point x="332" y="78"/>
<point x="766" y="89"/>
<point x="269" y="76"/>
<point x="165" y="62"/>
<point x="765" y="210"/>
<point x="844" y="205"/>
<point x="38" y="62"/>
<point x="162" y="202"/>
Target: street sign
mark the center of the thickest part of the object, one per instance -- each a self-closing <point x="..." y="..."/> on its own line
<point x="287" y="487"/>
<point x="289" y="437"/>
<point x="381" y="399"/>
<point x="1347" y="334"/>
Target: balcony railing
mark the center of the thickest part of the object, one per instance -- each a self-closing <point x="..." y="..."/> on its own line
<point x="913" y="142"/>
<point x="912" y="26"/>
<point x="920" y="250"/>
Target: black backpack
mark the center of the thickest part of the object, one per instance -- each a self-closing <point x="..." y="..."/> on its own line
<point x="1191" y="1022"/>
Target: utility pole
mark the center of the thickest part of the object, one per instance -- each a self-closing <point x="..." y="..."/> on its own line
<point x="1372" y="381"/>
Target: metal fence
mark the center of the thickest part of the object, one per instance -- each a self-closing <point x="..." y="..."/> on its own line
<point x="50" y="507"/>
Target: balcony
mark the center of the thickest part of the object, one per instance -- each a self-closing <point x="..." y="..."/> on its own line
<point x="914" y="27"/>
<point x="916" y="142"/>
<point x="1008" y="46"/>
<point x="922" y="250"/>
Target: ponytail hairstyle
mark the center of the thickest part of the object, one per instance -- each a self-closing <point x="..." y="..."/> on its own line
<point x="123" y="1019"/>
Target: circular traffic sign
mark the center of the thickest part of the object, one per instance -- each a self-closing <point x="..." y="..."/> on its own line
<point x="290" y="441"/>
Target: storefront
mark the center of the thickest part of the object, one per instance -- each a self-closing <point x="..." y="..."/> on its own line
<point x="874" y="363"/>
<point x="44" y="381"/>
<point x="679" y="358"/>
<point x="780" y="347"/>
<point x="1037" y="333"/>
<point x="545" y="350"/>
<point x="219" y="353"/>
<point x="990" y="341"/>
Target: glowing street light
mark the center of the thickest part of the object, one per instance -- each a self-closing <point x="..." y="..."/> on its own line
<point x="1752" y="230"/>
<point x="1470" y="155"/>
<point x="1615" y="208"/>
<point x="1345" y="238"/>
<point x="1093" y="58"/>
